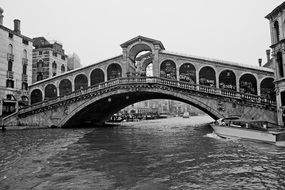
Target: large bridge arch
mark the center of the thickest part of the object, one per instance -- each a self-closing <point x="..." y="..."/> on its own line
<point x="112" y="101"/>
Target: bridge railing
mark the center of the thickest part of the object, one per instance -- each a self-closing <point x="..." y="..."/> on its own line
<point x="154" y="80"/>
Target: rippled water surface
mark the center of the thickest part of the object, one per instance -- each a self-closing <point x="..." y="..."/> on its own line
<point x="172" y="153"/>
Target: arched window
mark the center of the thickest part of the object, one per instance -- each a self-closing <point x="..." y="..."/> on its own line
<point x="282" y="99"/>
<point x="54" y="66"/>
<point x="36" y="96"/>
<point x="24" y="69"/>
<point x="25" y="54"/>
<point x="227" y="80"/>
<point x="207" y="76"/>
<point x="276" y="30"/>
<point x="248" y="84"/>
<point x="168" y="69"/>
<point x="114" y="71"/>
<point x="40" y="64"/>
<point x="81" y="82"/>
<point x="10" y="65"/>
<point x="279" y="60"/>
<point x="267" y="88"/>
<point x="50" y="91"/>
<point x="65" y="87"/>
<point x="10" y="49"/>
<point x="62" y="68"/>
<point x="40" y="76"/>
<point x="97" y="76"/>
<point x="187" y="73"/>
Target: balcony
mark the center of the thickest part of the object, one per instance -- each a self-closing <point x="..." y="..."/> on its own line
<point x="10" y="57"/>
<point x="24" y="78"/>
<point x="25" y="61"/>
<point x="10" y="74"/>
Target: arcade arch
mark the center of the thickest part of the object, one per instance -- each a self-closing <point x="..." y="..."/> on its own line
<point x="168" y="69"/>
<point x="80" y="82"/>
<point x="207" y="76"/>
<point x="50" y="91"/>
<point x="65" y="87"/>
<point x="267" y="88"/>
<point x="248" y="84"/>
<point x="97" y="76"/>
<point x="114" y="71"/>
<point x="227" y="80"/>
<point x="187" y="73"/>
<point x="36" y="96"/>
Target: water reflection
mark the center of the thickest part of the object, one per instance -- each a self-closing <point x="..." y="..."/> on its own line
<point x="173" y="153"/>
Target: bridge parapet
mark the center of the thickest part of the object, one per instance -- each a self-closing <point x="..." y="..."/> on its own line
<point x="150" y="80"/>
<point x="202" y="96"/>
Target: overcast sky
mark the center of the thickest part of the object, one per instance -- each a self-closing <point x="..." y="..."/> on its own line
<point x="231" y="30"/>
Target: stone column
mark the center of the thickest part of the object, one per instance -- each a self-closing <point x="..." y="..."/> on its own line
<point x="237" y="83"/>
<point x="197" y="77"/>
<point x="177" y="73"/>
<point x="258" y="83"/>
<point x="155" y="63"/>
<point x="126" y="63"/>
<point x="217" y="79"/>
<point x="1" y="107"/>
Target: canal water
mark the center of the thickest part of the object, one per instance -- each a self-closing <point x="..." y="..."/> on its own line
<point x="175" y="153"/>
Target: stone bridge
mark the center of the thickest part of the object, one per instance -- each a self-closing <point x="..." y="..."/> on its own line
<point x="96" y="104"/>
<point x="145" y="70"/>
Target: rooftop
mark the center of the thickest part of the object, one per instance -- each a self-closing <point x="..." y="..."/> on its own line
<point x="276" y="11"/>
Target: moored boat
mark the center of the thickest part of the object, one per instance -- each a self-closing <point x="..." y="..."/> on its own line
<point x="253" y="130"/>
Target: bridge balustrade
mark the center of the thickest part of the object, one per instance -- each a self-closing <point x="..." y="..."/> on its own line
<point x="157" y="80"/>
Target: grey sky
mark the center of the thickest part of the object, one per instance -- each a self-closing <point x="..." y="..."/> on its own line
<point x="231" y="30"/>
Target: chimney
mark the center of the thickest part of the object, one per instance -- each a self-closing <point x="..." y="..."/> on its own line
<point x="17" y="27"/>
<point x="259" y="62"/>
<point x="268" y="55"/>
<point x="1" y="16"/>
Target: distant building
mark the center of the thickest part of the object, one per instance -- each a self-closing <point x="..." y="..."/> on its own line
<point x="269" y="63"/>
<point x="15" y="67"/>
<point x="73" y="62"/>
<point x="49" y="59"/>
<point x="277" y="31"/>
<point x="162" y="106"/>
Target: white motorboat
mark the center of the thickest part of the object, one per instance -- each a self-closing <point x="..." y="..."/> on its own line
<point x="254" y="130"/>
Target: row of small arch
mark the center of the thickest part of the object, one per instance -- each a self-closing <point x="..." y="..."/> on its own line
<point x="187" y="72"/>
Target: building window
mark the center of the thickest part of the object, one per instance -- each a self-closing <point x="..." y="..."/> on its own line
<point x="53" y="74"/>
<point x="25" y="54"/>
<point x="25" y="69"/>
<point x="280" y="64"/>
<point x="25" y="41"/>
<point x="62" y="68"/>
<point x="40" y="76"/>
<point x="283" y="98"/>
<point x="40" y="64"/>
<point x="10" y="35"/>
<point x="10" y="50"/>
<point x="54" y="66"/>
<point x="276" y="30"/>
<point x="54" y="54"/>
<point x="9" y="83"/>
<point x="40" y="52"/>
<point x="24" y="86"/>
<point x="10" y="65"/>
<point x="62" y="57"/>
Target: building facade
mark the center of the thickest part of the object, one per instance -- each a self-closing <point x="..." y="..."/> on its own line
<point x="49" y="59"/>
<point x="73" y="62"/>
<point x="277" y="31"/>
<point x="15" y="67"/>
